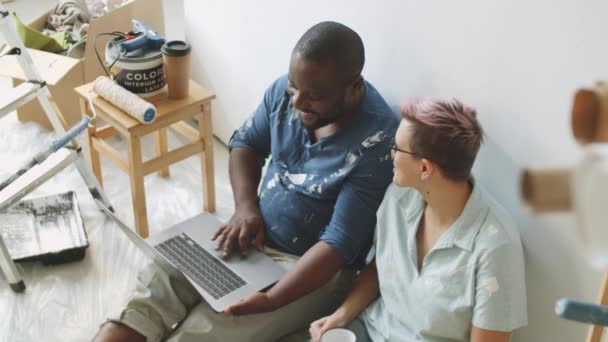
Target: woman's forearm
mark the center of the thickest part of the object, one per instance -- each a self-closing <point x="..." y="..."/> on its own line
<point x="365" y="291"/>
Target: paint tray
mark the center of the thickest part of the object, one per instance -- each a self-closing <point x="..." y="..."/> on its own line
<point x="47" y="229"/>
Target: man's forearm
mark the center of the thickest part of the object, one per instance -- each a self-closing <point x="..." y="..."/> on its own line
<point x="365" y="291"/>
<point x="318" y="265"/>
<point x="245" y="172"/>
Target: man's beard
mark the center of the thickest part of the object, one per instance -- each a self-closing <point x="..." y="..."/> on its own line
<point x="324" y="120"/>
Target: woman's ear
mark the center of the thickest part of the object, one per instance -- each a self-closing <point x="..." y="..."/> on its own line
<point x="427" y="168"/>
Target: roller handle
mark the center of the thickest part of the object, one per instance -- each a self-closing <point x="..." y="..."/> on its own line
<point x="71" y="134"/>
<point x="547" y="189"/>
<point x="585" y="115"/>
<point x="590" y="114"/>
<point x="583" y="312"/>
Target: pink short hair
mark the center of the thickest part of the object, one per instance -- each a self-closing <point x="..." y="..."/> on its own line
<point x="445" y="131"/>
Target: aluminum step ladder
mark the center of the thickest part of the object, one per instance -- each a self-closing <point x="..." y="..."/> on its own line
<point x="46" y="164"/>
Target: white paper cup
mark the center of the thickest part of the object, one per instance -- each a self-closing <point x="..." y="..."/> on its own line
<point x="338" y="335"/>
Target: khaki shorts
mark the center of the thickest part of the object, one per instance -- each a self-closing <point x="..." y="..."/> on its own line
<point x="161" y="309"/>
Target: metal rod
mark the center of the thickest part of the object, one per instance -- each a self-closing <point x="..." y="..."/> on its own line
<point x="9" y="269"/>
<point x="9" y="196"/>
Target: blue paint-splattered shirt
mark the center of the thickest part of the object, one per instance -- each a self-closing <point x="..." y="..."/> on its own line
<point x="328" y="190"/>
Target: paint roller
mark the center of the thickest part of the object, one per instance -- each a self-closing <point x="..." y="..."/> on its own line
<point x="128" y="102"/>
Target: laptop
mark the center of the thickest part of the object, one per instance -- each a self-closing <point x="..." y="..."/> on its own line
<point x="185" y="251"/>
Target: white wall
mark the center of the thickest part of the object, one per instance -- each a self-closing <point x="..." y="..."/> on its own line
<point x="518" y="62"/>
<point x="174" y="19"/>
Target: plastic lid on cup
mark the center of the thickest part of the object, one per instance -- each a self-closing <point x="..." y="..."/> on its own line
<point x="176" y="48"/>
<point x="338" y="335"/>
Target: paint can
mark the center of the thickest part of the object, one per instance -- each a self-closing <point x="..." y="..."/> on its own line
<point x="142" y="74"/>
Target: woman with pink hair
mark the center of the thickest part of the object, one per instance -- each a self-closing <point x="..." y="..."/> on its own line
<point x="449" y="263"/>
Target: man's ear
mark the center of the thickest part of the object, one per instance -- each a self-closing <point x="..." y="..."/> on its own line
<point x="427" y="169"/>
<point x="358" y="83"/>
<point x="355" y="88"/>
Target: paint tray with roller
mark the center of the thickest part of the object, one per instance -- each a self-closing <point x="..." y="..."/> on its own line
<point x="47" y="229"/>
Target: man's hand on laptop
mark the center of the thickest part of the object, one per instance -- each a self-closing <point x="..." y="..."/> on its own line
<point x="243" y="226"/>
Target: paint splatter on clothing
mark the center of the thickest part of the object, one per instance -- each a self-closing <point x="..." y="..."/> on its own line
<point x="326" y="190"/>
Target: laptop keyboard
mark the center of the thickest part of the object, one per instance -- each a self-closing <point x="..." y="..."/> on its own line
<point x="200" y="265"/>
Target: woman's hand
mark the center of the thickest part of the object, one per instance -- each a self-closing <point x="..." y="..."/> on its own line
<point x="320" y="326"/>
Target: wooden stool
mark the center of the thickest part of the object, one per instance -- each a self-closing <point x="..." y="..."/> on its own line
<point x="170" y="113"/>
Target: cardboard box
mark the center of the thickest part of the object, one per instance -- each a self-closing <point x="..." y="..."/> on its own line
<point x="63" y="74"/>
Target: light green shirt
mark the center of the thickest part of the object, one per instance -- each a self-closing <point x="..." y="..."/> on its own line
<point x="473" y="275"/>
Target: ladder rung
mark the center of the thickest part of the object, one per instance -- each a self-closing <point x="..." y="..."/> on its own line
<point x="19" y="96"/>
<point x="36" y="176"/>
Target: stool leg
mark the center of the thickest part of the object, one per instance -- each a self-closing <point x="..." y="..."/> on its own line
<point x="595" y="332"/>
<point x="92" y="154"/>
<point x="138" y="194"/>
<point x="161" y="149"/>
<point x="205" y="129"/>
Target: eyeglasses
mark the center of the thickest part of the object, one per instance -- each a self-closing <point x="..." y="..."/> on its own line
<point x="395" y="149"/>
